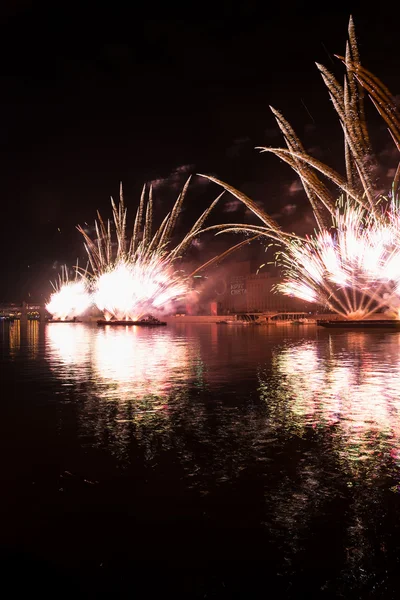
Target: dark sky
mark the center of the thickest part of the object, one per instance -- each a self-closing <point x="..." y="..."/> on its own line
<point x="91" y="96"/>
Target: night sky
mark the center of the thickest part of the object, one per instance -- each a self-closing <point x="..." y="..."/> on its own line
<point x="91" y="96"/>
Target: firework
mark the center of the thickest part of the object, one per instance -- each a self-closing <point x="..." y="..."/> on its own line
<point x="352" y="266"/>
<point x="138" y="274"/>
<point x="359" y="184"/>
<point x="70" y="299"/>
<point x="128" y="290"/>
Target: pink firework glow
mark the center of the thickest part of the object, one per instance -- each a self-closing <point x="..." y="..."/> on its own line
<point x="132" y="276"/>
<point x="351" y="266"/>
<point x="70" y="299"/>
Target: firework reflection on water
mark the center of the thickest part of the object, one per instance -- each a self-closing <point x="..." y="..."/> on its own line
<point x="123" y="364"/>
<point x="341" y="388"/>
<point x="129" y="374"/>
<point x="125" y="358"/>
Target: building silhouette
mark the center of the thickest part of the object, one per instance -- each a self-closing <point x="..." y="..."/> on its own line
<point x="241" y="287"/>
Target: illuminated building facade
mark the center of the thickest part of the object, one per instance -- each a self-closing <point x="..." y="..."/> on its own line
<point x="240" y="289"/>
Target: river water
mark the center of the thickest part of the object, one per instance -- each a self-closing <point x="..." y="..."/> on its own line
<point x="200" y="461"/>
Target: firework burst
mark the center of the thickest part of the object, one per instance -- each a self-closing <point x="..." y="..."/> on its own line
<point x="359" y="185"/>
<point x="352" y="266"/>
<point x="69" y="299"/>
<point x="138" y="274"/>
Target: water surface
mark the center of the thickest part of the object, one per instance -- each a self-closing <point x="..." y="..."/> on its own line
<point x="200" y="461"/>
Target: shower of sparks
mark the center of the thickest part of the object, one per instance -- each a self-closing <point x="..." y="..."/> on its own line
<point x="70" y="299"/>
<point x="132" y="276"/>
<point x="353" y="267"/>
<point x="130" y="290"/>
<point x="359" y="185"/>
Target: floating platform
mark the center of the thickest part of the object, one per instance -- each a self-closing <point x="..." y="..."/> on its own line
<point x="103" y="322"/>
<point x="66" y="321"/>
<point x="362" y="324"/>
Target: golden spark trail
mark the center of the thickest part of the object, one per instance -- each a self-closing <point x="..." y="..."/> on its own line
<point x="353" y="265"/>
<point x="137" y="275"/>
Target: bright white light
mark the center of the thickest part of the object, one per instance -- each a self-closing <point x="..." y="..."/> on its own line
<point x="130" y="289"/>
<point x="71" y="300"/>
<point x="353" y="268"/>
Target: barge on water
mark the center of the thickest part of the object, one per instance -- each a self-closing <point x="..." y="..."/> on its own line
<point x="65" y="321"/>
<point x="361" y="324"/>
<point x="143" y="323"/>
